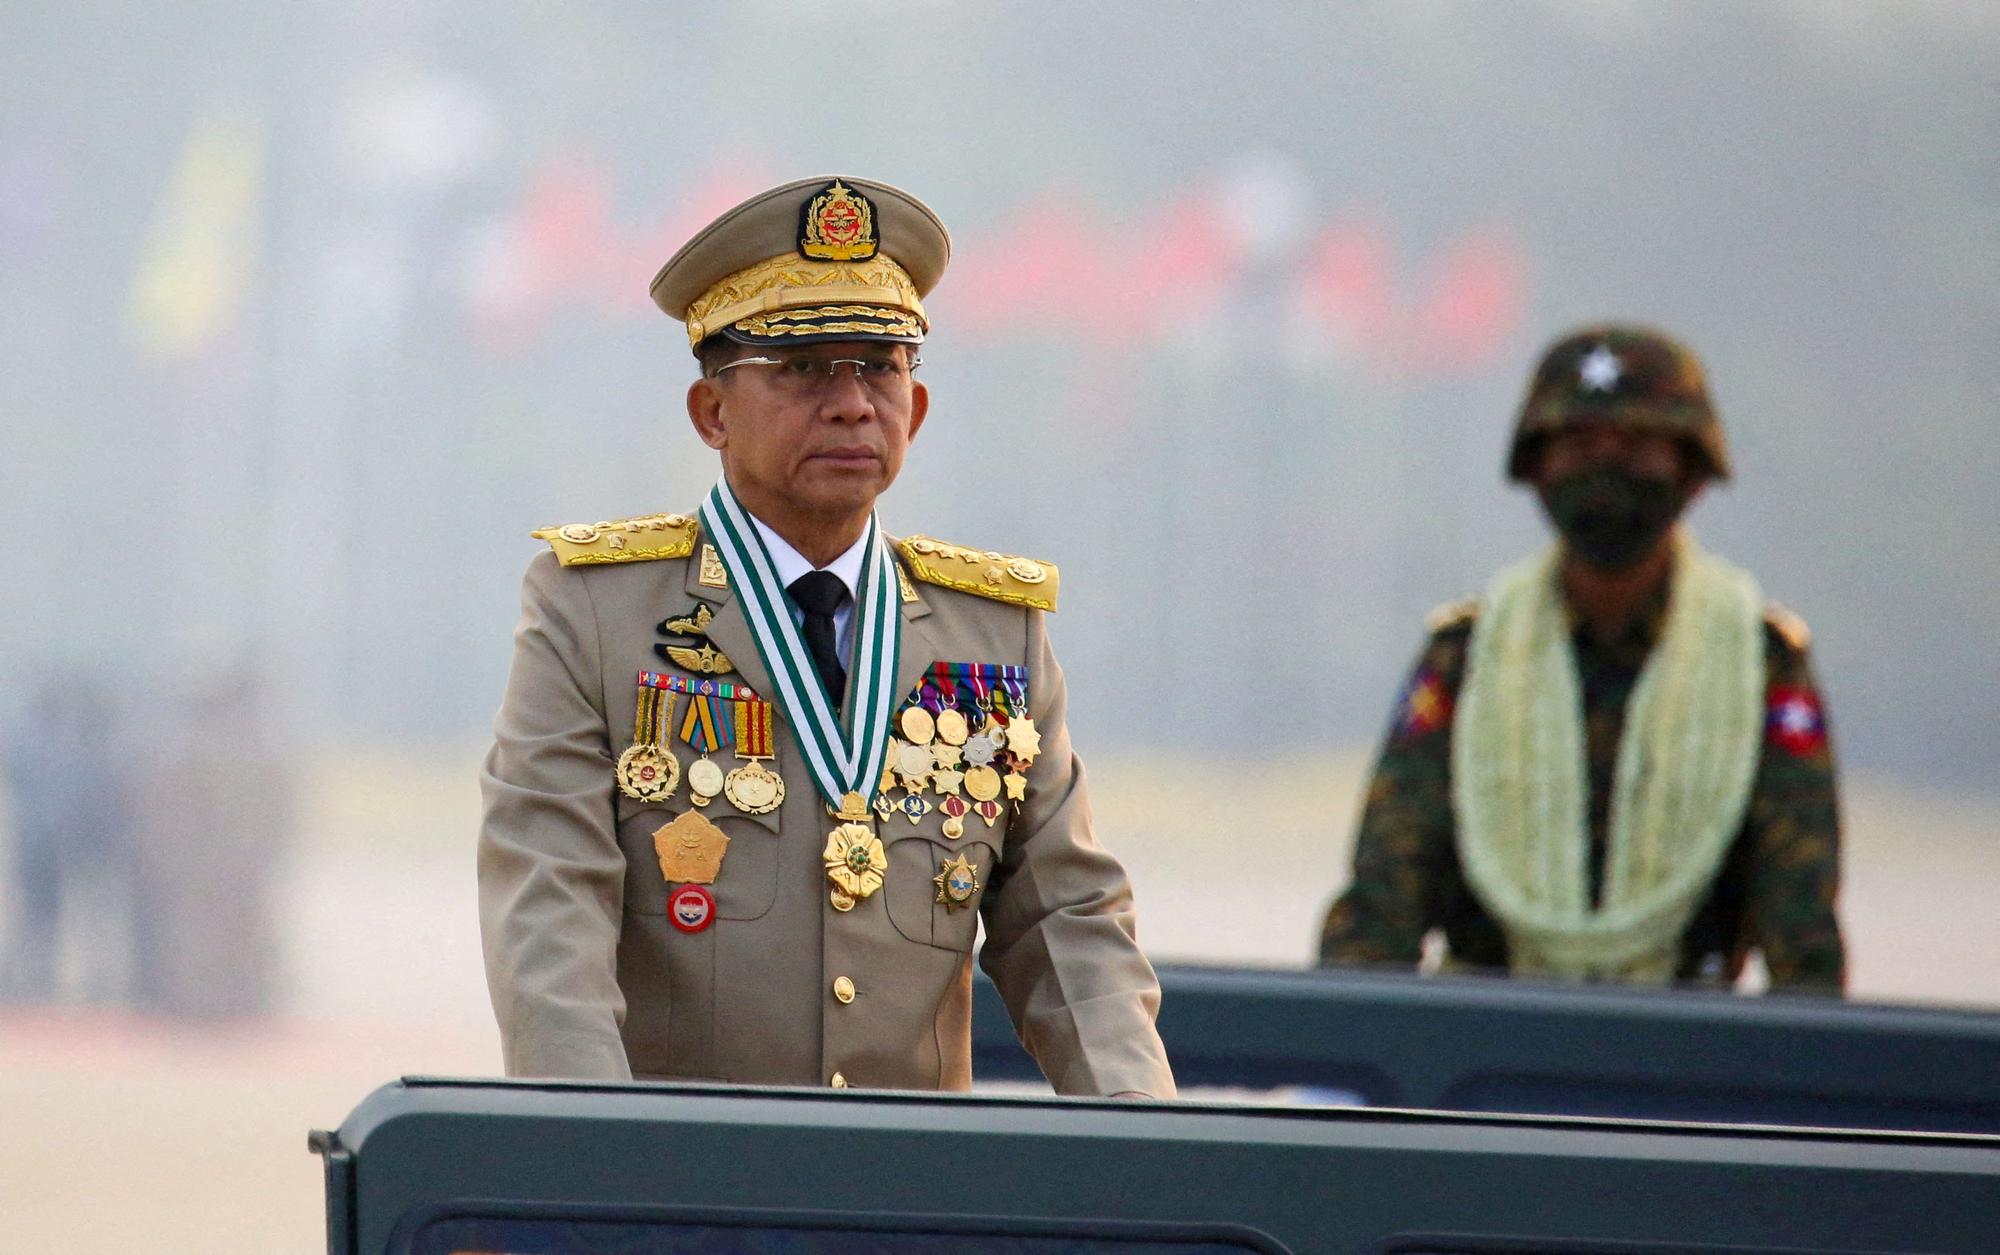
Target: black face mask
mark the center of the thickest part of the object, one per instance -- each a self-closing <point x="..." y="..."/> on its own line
<point x="1610" y="517"/>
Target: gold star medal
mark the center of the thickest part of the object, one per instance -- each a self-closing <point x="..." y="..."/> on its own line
<point x="1024" y="740"/>
<point x="885" y="805"/>
<point x="648" y="771"/>
<point x="914" y="764"/>
<point x="690" y="849"/>
<point x="957" y="883"/>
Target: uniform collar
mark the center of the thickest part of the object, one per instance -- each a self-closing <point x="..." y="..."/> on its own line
<point x="1637" y="637"/>
<point x="791" y="564"/>
<point x="730" y="631"/>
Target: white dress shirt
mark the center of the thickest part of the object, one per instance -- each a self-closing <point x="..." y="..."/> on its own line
<point x="791" y="564"/>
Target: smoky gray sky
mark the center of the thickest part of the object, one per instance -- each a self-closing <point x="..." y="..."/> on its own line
<point x="309" y="316"/>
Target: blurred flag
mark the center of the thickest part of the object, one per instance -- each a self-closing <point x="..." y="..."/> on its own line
<point x="200" y="248"/>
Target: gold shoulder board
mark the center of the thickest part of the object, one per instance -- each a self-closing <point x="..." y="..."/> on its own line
<point x="1789" y="627"/>
<point x="982" y="572"/>
<point x="642" y="539"/>
<point x="1453" y="614"/>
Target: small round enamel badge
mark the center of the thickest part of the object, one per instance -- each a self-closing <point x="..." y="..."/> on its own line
<point x="691" y="908"/>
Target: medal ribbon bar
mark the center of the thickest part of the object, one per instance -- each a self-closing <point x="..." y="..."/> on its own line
<point x="697" y="688"/>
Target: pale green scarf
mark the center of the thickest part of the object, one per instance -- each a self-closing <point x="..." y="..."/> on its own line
<point x="1685" y="763"/>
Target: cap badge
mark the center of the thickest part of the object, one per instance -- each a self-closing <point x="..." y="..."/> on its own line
<point x="1600" y="370"/>
<point x="837" y="225"/>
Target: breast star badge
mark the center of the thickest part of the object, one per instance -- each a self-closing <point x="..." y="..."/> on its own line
<point x="957" y="882"/>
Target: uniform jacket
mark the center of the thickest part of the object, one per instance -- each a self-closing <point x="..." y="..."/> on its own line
<point x="1774" y="892"/>
<point x="590" y="979"/>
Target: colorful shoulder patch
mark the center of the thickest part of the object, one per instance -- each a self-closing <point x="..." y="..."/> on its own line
<point x="1425" y="706"/>
<point x="1789" y="627"/>
<point x="1795" y="722"/>
<point x="644" y="539"/>
<point x="982" y="572"/>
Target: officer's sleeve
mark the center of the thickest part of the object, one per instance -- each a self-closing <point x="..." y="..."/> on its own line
<point x="551" y="876"/>
<point x="1061" y="929"/>
<point x="1403" y="849"/>
<point x="1794" y="834"/>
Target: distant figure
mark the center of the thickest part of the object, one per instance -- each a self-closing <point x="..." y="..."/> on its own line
<point x="1612" y="766"/>
<point x="213" y="827"/>
<point x="70" y="861"/>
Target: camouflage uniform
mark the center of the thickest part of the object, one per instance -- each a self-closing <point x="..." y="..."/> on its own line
<point x="1775" y="890"/>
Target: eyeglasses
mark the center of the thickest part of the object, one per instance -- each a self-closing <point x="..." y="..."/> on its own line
<point x="884" y="374"/>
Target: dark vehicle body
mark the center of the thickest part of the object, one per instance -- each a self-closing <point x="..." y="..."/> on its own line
<point x="429" y="1167"/>
<point x="1484" y="1044"/>
<point x="444" y="1167"/>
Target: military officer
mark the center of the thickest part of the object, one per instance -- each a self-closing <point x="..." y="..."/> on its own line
<point x="1614" y="764"/>
<point x="761" y="769"/>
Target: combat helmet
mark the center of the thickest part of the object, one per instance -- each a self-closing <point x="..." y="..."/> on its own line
<point x="1627" y="375"/>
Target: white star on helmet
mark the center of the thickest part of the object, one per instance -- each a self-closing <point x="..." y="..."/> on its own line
<point x="1600" y="369"/>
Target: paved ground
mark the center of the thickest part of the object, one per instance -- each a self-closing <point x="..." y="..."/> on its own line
<point x="124" y="1134"/>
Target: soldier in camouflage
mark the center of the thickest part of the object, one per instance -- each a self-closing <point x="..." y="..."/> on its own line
<point x="1614" y="765"/>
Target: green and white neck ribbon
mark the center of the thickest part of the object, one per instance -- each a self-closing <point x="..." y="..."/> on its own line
<point x="1686" y="759"/>
<point x="843" y="759"/>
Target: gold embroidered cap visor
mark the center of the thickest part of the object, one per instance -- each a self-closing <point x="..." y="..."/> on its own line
<point x="828" y="258"/>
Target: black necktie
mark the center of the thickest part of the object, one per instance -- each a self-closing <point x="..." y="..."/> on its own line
<point x="819" y="594"/>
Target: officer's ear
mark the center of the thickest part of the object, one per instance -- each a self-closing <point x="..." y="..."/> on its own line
<point x="704" y="406"/>
<point x="920" y="405"/>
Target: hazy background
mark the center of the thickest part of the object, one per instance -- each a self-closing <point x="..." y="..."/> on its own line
<point x="311" y="312"/>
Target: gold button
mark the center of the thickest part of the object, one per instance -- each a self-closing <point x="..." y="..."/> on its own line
<point x="843" y="989"/>
<point x="838" y="1082"/>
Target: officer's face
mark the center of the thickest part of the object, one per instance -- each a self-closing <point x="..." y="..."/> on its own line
<point x="823" y="447"/>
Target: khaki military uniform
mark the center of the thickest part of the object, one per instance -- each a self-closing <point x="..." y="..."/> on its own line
<point x="590" y="978"/>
